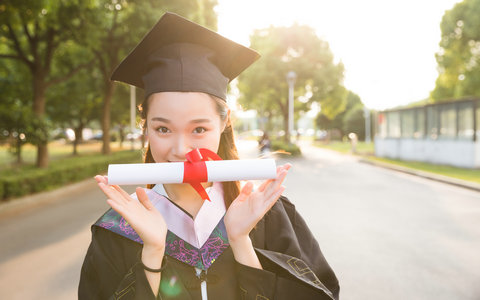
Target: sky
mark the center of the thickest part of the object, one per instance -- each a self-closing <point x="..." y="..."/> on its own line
<point x="387" y="47"/>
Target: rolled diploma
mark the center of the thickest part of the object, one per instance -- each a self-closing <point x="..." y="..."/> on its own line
<point x="217" y="170"/>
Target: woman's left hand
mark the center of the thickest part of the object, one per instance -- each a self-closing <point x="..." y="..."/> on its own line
<point x="250" y="206"/>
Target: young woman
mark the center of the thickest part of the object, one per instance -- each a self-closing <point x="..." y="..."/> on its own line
<point x="165" y="242"/>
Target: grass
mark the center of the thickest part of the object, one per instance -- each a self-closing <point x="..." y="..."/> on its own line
<point x="56" y="150"/>
<point x="472" y="175"/>
<point x="344" y="147"/>
<point x="367" y="151"/>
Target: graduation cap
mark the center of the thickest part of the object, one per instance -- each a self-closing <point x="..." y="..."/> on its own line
<point x="178" y="55"/>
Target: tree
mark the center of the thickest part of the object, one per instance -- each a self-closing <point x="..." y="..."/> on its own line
<point x="121" y="111"/>
<point x="33" y="31"/>
<point x="297" y="48"/>
<point x="346" y="121"/>
<point x="354" y="121"/>
<point x="459" y="56"/>
<point x="76" y="102"/>
<point x="18" y="124"/>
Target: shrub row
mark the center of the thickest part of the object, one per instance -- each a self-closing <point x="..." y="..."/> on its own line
<point x="293" y="149"/>
<point x="26" y="181"/>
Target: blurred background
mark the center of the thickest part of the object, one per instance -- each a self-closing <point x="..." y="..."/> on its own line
<point x="376" y="102"/>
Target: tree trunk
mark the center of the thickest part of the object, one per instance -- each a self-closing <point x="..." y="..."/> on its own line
<point x="121" y="134"/>
<point x="39" y="88"/>
<point x="107" y="102"/>
<point x="284" y="109"/>
<point x="78" y="138"/>
<point x="18" y="150"/>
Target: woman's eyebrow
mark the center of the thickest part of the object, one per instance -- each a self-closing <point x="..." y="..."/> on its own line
<point x="160" y="119"/>
<point x="200" y="121"/>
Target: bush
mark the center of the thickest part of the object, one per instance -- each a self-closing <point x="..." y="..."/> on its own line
<point x="293" y="149"/>
<point x="17" y="183"/>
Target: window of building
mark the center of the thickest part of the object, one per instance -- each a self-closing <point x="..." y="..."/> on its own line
<point x="419" y="123"/>
<point x="432" y="122"/>
<point x="465" y="121"/>
<point x="393" y="124"/>
<point x="382" y="125"/>
<point x="408" y="123"/>
<point x="448" y="121"/>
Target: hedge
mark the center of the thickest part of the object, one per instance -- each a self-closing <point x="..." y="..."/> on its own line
<point x="17" y="183"/>
<point x="293" y="149"/>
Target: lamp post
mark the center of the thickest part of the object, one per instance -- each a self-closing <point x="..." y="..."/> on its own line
<point x="366" y="114"/>
<point x="291" y="77"/>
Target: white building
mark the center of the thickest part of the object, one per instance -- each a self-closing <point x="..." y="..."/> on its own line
<point x="443" y="133"/>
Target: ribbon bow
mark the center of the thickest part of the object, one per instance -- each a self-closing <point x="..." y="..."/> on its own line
<point x="195" y="169"/>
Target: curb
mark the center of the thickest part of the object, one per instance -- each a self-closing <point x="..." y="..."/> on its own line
<point x="431" y="176"/>
<point x="28" y="202"/>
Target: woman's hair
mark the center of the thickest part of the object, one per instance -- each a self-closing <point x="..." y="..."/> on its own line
<point x="227" y="149"/>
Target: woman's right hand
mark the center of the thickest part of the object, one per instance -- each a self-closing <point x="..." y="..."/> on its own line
<point x="144" y="218"/>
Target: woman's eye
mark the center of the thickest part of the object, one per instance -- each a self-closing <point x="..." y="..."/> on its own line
<point x="199" y="130"/>
<point x="163" y="129"/>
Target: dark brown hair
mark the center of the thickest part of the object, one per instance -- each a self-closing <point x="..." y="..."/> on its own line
<point x="226" y="150"/>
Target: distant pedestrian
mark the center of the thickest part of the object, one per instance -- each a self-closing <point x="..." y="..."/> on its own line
<point x="264" y="144"/>
<point x="353" y="141"/>
<point x="165" y="242"/>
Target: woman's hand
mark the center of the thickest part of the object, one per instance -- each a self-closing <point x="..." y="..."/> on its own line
<point x="249" y="207"/>
<point x="144" y="218"/>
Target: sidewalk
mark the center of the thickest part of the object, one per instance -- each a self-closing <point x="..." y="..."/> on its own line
<point x="29" y="202"/>
<point x="445" y="179"/>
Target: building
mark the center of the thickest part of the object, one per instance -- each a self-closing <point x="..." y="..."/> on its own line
<point x="442" y="133"/>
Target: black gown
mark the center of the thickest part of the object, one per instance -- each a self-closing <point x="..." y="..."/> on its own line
<point x="293" y="266"/>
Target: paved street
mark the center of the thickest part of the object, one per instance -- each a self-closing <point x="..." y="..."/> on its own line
<point x="386" y="234"/>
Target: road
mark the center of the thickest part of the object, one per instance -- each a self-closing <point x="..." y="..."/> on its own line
<point x="387" y="235"/>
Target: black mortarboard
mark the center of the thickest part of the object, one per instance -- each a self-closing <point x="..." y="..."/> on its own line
<point x="182" y="56"/>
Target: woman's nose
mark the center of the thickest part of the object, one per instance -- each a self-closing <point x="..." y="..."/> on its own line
<point x="181" y="147"/>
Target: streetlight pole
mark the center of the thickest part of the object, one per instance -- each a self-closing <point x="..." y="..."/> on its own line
<point x="366" y="114"/>
<point x="291" y="77"/>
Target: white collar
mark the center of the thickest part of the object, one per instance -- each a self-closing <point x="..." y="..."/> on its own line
<point x="194" y="231"/>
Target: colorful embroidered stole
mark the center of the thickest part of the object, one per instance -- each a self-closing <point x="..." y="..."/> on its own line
<point x="197" y="243"/>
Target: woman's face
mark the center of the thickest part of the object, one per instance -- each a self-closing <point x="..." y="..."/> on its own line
<point x="179" y="122"/>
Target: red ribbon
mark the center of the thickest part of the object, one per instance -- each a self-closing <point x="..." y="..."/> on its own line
<point x="195" y="169"/>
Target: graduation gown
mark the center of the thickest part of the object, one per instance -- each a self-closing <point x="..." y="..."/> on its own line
<point x="199" y="261"/>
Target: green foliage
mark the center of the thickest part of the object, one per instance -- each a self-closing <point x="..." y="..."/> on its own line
<point x="459" y="57"/>
<point x="18" y="125"/>
<point x="354" y="121"/>
<point x="34" y="29"/>
<point x="297" y="48"/>
<point x="20" y="182"/>
<point x="293" y="149"/>
<point x="351" y="119"/>
<point x="34" y="33"/>
<point x="45" y="43"/>
<point x="75" y="103"/>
